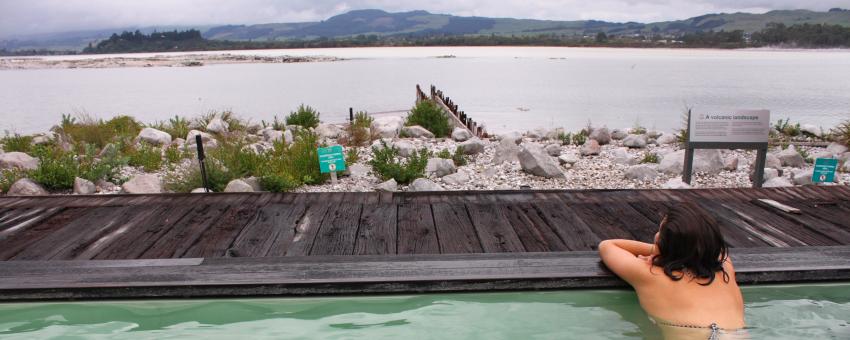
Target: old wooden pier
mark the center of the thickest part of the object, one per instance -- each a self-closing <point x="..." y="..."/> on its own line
<point x="259" y="244"/>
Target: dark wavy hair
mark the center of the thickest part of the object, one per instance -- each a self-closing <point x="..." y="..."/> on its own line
<point x="689" y="241"/>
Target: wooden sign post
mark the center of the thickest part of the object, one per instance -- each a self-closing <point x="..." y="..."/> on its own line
<point x="745" y="129"/>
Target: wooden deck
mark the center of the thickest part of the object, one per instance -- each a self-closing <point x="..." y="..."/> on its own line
<point x="56" y="237"/>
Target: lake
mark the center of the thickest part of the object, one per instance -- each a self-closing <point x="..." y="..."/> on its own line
<point x="553" y="86"/>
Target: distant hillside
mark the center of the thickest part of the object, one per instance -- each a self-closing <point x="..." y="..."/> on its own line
<point x="414" y="24"/>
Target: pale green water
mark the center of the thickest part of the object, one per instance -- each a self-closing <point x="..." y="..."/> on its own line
<point x="773" y="312"/>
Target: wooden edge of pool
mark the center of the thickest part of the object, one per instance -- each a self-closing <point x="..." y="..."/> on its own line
<point x="348" y="275"/>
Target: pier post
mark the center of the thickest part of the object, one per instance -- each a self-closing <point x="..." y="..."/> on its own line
<point x="351" y="110"/>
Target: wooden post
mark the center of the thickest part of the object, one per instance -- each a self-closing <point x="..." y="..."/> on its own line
<point x="351" y="110"/>
<point x="761" y="159"/>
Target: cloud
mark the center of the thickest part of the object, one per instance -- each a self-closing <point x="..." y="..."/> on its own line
<point x="43" y="16"/>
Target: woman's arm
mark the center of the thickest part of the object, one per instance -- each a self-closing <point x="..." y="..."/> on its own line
<point x="621" y="257"/>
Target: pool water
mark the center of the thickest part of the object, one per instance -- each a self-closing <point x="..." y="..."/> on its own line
<point x="773" y="312"/>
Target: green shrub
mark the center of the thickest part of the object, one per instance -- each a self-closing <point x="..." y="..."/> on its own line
<point x="786" y="128"/>
<point x="429" y="116"/>
<point x="178" y="127"/>
<point x="186" y="180"/>
<point x="385" y="162"/>
<point x="174" y="155"/>
<point x="299" y="160"/>
<point x="9" y="177"/>
<point x="238" y="159"/>
<point x="16" y="143"/>
<point x="56" y="169"/>
<point x="107" y="166"/>
<point x="351" y="156"/>
<point x="305" y="116"/>
<point x="444" y="154"/>
<point x="458" y="158"/>
<point x="201" y="121"/>
<point x="650" y="157"/>
<point x="88" y="130"/>
<point x="565" y="138"/>
<point x="359" y="131"/>
<point x="147" y="157"/>
<point x="580" y="138"/>
<point x="841" y="133"/>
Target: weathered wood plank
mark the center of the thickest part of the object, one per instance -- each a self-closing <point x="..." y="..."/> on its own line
<point x="215" y="241"/>
<point x="66" y="242"/>
<point x="571" y="229"/>
<point x="377" y="234"/>
<point x="306" y="229"/>
<point x="135" y="241"/>
<point x="531" y="228"/>
<point x="494" y="231"/>
<point x="185" y="232"/>
<point x="457" y="234"/>
<point x="416" y="231"/>
<point x="338" y="232"/>
<point x="275" y="222"/>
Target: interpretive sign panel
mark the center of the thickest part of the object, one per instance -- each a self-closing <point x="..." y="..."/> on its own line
<point x="824" y="170"/>
<point x="331" y="159"/>
<point x="744" y="126"/>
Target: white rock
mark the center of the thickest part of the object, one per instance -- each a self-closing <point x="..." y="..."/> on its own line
<point x="846" y="167"/>
<point x="619" y="134"/>
<point x="357" y="171"/>
<point x="777" y="182"/>
<point x="537" y="133"/>
<point x="217" y="125"/>
<point x="106" y="186"/>
<point x="328" y="131"/>
<point x="535" y="161"/>
<point x="635" y="141"/>
<point x="416" y="131"/>
<point x="506" y="151"/>
<point x="472" y="146"/>
<point x="238" y="185"/>
<point x="254" y="182"/>
<point x="790" y="157"/>
<point x="601" y="135"/>
<point x="43" y="138"/>
<point x="18" y="160"/>
<point x="422" y="184"/>
<point x="26" y="187"/>
<point x="811" y="129"/>
<point x="205" y="137"/>
<point x="553" y="150"/>
<point x="730" y="163"/>
<point x="844" y="157"/>
<point x="272" y="136"/>
<point x="641" y="172"/>
<point x="654" y="134"/>
<point x="802" y="177"/>
<point x="83" y="186"/>
<point x="821" y="154"/>
<point x="389" y="186"/>
<point x="440" y="167"/>
<point x="622" y="156"/>
<point x="836" y="149"/>
<point x="143" y="184"/>
<point x="253" y="127"/>
<point x="154" y="137"/>
<point x="569" y="158"/>
<point x="590" y="147"/>
<point x="770" y="173"/>
<point x="457" y="178"/>
<point x="379" y="144"/>
<point x="770" y="161"/>
<point x="667" y="138"/>
<point x="199" y="191"/>
<point x="675" y="183"/>
<point x="405" y="148"/>
<point x="513" y="136"/>
<point x="178" y="142"/>
<point x="706" y="161"/>
<point x="460" y="134"/>
<point x="388" y="127"/>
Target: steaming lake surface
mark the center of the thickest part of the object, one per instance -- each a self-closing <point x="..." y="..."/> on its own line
<point x="553" y="86"/>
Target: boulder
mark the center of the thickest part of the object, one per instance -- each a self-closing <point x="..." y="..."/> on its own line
<point x="440" y="167"/>
<point x="416" y="131"/>
<point x="254" y="182"/>
<point x="258" y="148"/>
<point x="18" y="160"/>
<point x="457" y="178"/>
<point x="44" y="138"/>
<point x="769" y="173"/>
<point x="143" y="184"/>
<point x="217" y="125"/>
<point x="553" y="150"/>
<point x="836" y="149"/>
<point x="405" y="148"/>
<point x="328" y="131"/>
<point x="26" y="187"/>
<point x="238" y="185"/>
<point x="554" y="133"/>
<point x="253" y="127"/>
<point x="675" y="183"/>
<point x="154" y="137"/>
<point x="379" y="144"/>
<point x="770" y="161"/>
<point x="590" y="147"/>
<point x="846" y="167"/>
<point x="601" y="135"/>
<point x="205" y="137"/>
<point x="357" y="170"/>
<point x="198" y="191"/>
<point x="535" y="161"/>
<point x="506" y="151"/>
<point x="811" y="129"/>
<point x="622" y="156"/>
<point x="642" y="172"/>
<point x="619" y="134"/>
<point x="537" y="133"/>
<point x="653" y="134"/>
<point x="844" y="157"/>
<point x="472" y="146"/>
<point x="777" y="182"/>
<point x="177" y="142"/>
<point x="388" y="127"/>
<point x="570" y="158"/>
<point x="272" y="136"/>
<point x="635" y="141"/>
<point x="83" y="186"/>
<point x="802" y="177"/>
<point x="513" y="136"/>
<point x="106" y="186"/>
<point x="667" y="138"/>
<point x="389" y="186"/>
<point x="730" y="163"/>
<point x="460" y="134"/>
<point x="422" y="184"/>
<point x="706" y="161"/>
<point x="790" y="157"/>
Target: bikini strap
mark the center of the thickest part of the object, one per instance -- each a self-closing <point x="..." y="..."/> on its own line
<point x="714" y="332"/>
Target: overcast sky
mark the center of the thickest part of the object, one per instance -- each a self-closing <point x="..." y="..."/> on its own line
<point x="24" y="17"/>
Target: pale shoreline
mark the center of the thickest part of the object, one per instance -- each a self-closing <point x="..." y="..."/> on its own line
<point x="160" y="60"/>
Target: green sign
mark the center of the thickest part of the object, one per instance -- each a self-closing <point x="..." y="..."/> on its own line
<point x="331" y="159"/>
<point x="824" y="170"/>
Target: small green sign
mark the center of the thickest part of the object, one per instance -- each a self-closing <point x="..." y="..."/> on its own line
<point x="331" y="159"/>
<point x="824" y="170"/>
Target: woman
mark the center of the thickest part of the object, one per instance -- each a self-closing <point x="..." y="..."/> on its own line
<point x="685" y="280"/>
